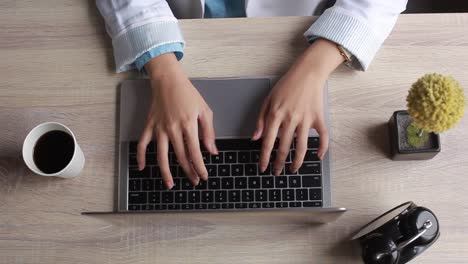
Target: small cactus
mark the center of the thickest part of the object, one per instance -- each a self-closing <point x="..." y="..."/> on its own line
<point x="435" y="103"/>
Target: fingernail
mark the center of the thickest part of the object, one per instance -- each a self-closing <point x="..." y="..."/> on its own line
<point x="170" y="185"/>
<point x="276" y="172"/>
<point x="255" y="135"/>
<point x="214" y="148"/>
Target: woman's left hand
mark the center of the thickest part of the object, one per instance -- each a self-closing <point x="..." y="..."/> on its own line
<point x="294" y="106"/>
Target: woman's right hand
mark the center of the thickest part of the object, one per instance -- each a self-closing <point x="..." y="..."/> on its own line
<point x="176" y="111"/>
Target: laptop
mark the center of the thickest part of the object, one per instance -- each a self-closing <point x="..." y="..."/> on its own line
<point x="235" y="188"/>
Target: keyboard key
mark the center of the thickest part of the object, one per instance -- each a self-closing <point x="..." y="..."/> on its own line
<point x="294" y="181"/>
<point x="241" y="205"/>
<point x="295" y="204"/>
<point x="187" y="207"/>
<point x="310" y="168"/>
<point x="311" y="181"/>
<point x="267" y="171"/>
<point x="148" y="185"/>
<point x="240" y="182"/>
<point x="261" y="195"/>
<point x="315" y="194"/>
<point x="254" y="182"/>
<point x="255" y="205"/>
<point x="268" y="182"/>
<point x="247" y="195"/>
<point x="173" y="207"/>
<point x="288" y="171"/>
<point x="272" y="155"/>
<point x="147" y="207"/>
<point x="243" y="157"/>
<point x="237" y="144"/>
<point x="151" y="159"/>
<point x="288" y="195"/>
<point x="313" y="142"/>
<point x="224" y="170"/>
<point x="181" y="197"/>
<point x="302" y="194"/>
<point x="160" y="207"/>
<point x="214" y="183"/>
<point x="134" y="185"/>
<point x="207" y="196"/>
<point x="155" y="172"/>
<point x="217" y="159"/>
<point x="154" y="197"/>
<point x="234" y="196"/>
<point x="255" y="156"/>
<point x="227" y="183"/>
<point x="202" y="185"/>
<point x="159" y="185"/>
<point x="173" y="170"/>
<point x="312" y="204"/>
<point x="151" y="147"/>
<point x="206" y="157"/>
<point x="230" y="157"/>
<point x="201" y="206"/>
<point x="194" y="197"/>
<point x="134" y="207"/>
<point x="237" y="170"/>
<point x="137" y="198"/>
<point x="268" y="205"/>
<point x="251" y="169"/>
<point x="227" y="206"/>
<point x="173" y="159"/>
<point x="311" y="155"/>
<point x="186" y="184"/>
<point x="274" y="194"/>
<point x="281" y="182"/>
<point x="212" y="171"/>
<point x="135" y="173"/>
<point x="214" y="206"/>
<point x="281" y="205"/>
<point x="180" y="173"/>
<point x="220" y="196"/>
<point x="167" y="197"/>
<point x="177" y="184"/>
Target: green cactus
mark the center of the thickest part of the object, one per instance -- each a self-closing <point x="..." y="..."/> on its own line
<point x="435" y="103"/>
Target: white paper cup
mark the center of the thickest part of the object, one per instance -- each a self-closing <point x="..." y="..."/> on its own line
<point x="73" y="168"/>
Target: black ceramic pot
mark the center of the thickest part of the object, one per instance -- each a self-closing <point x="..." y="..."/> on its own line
<point x="400" y="149"/>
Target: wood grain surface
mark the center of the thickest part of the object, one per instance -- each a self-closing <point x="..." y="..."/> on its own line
<point x="56" y="65"/>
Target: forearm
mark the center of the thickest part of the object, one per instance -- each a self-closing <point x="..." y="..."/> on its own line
<point x="319" y="60"/>
<point x="163" y="66"/>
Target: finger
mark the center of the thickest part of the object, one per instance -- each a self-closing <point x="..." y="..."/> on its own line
<point x="302" y="135"/>
<point x="208" y="132"/>
<point x="143" y="142"/>
<point x="324" y="137"/>
<point x="261" y="119"/>
<point x="270" y="133"/>
<point x="193" y="147"/>
<point x="177" y="141"/>
<point x="286" y="137"/>
<point x="163" y="160"/>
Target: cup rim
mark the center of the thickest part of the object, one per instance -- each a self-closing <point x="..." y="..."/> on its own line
<point x="38" y="171"/>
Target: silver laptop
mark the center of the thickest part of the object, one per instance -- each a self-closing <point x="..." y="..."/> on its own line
<point x="235" y="186"/>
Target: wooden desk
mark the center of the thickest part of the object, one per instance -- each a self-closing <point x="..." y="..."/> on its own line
<point x="56" y="65"/>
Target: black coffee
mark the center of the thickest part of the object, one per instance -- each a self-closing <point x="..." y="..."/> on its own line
<point x="53" y="151"/>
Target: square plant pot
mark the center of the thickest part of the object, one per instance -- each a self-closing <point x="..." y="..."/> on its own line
<point x="400" y="148"/>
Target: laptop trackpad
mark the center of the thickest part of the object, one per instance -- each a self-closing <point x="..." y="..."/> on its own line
<point x="235" y="103"/>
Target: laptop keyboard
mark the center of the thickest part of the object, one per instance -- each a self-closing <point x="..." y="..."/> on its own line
<point x="234" y="181"/>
